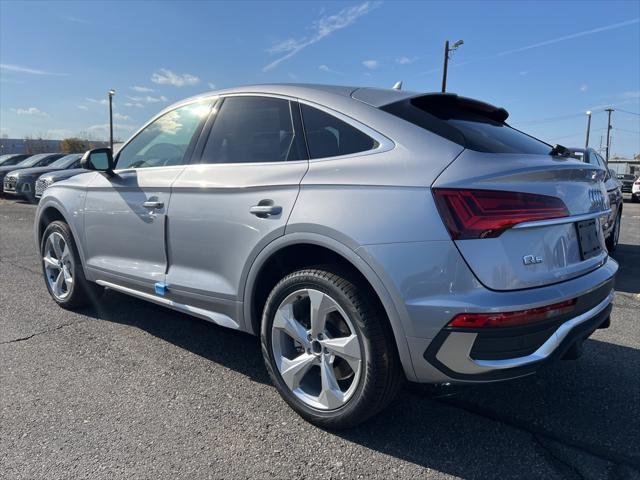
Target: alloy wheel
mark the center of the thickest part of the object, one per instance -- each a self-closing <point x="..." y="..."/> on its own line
<point x="316" y="349"/>
<point x="58" y="266"/>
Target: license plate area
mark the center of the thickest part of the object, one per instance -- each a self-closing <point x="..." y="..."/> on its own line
<point x="589" y="239"/>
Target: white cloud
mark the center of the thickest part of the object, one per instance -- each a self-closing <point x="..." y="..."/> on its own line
<point x="320" y="29"/>
<point x="83" y="107"/>
<point x="148" y="99"/>
<point x="119" y="116"/>
<point x="371" y="64"/>
<point x="141" y="89"/>
<point x="631" y="94"/>
<point x="406" y="60"/>
<point x="167" y="77"/>
<point x="584" y="88"/>
<point x="76" y="20"/>
<point x="104" y="101"/>
<point x="523" y="73"/>
<point x="212" y="86"/>
<point x="104" y="127"/>
<point x="571" y="36"/>
<point x="137" y="104"/>
<point x="29" y="111"/>
<point x="17" y="68"/>
<point x="326" y="68"/>
<point x="59" y="133"/>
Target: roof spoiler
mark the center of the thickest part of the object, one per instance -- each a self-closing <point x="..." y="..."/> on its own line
<point x="444" y="100"/>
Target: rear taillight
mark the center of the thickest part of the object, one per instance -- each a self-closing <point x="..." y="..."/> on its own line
<point x="470" y="214"/>
<point x="512" y="319"/>
<point x="637" y="182"/>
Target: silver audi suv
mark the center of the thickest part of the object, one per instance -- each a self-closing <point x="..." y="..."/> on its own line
<point x="368" y="236"/>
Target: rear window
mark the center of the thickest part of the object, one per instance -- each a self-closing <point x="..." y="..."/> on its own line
<point x="328" y="136"/>
<point x="468" y="123"/>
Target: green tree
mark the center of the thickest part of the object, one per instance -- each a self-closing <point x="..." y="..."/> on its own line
<point x="74" y="145"/>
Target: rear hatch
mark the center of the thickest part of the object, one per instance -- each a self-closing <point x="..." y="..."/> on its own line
<point x="521" y="214"/>
<point x="536" y="250"/>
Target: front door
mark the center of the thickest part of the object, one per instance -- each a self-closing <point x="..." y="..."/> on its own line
<point x="125" y="214"/>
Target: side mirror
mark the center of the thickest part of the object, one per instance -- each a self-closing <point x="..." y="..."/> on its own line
<point x="99" y="159"/>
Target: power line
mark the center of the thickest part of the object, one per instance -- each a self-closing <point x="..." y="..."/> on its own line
<point x="554" y="119"/>
<point x="627" y="111"/>
<point x="637" y="132"/>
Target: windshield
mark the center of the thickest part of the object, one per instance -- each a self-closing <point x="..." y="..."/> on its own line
<point x="9" y="159"/>
<point x="32" y="161"/>
<point x="66" y="161"/>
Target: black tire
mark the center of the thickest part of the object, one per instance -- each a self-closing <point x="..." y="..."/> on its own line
<point x="612" y="240"/>
<point x="381" y="375"/>
<point x="82" y="292"/>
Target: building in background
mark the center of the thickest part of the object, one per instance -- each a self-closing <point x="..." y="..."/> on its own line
<point x="625" y="165"/>
<point x="37" y="145"/>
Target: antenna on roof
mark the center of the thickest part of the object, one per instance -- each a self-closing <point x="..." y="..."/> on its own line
<point x="397" y="85"/>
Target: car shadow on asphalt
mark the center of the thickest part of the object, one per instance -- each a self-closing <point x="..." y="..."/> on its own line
<point x="588" y="407"/>
<point x="628" y="277"/>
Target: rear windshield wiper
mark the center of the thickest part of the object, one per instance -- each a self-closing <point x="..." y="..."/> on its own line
<point x="560" y="151"/>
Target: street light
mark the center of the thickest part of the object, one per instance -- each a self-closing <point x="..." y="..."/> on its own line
<point x="447" y="53"/>
<point x="586" y="143"/>
<point x="111" y="93"/>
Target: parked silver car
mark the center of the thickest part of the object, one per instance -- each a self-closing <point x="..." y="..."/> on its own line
<point x="367" y="235"/>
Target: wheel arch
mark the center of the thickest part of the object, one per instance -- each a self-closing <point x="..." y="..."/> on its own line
<point x="297" y="250"/>
<point x="50" y="212"/>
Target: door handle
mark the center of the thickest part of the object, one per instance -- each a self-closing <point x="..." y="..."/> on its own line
<point x="154" y="204"/>
<point x="263" y="211"/>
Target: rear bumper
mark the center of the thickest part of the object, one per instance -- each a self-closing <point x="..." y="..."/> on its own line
<point x="460" y="355"/>
<point x="430" y="284"/>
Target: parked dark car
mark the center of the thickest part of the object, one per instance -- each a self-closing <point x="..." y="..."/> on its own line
<point x="39" y="160"/>
<point x="9" y="159"/>
<point x="611" y="228"/>
<point x="47" y="179"/>
<point x="22" y="183"/>
<point x="626" y="180"/>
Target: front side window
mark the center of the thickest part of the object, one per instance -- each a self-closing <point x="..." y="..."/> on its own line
<point x="254" y="129"/>
<point x="328" y="136"/>
<point x="164" y="142"/>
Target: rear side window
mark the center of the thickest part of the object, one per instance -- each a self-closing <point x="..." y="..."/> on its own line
<point x="328" y="136"/>
<point x="254" y="129"/>
<point x="466" y="125"/>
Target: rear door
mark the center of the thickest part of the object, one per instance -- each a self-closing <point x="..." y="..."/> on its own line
<point x="226" y="208"/>
<point x="125" y="214"/>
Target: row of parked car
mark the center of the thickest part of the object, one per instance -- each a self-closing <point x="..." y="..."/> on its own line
<point x="27" y="176"/>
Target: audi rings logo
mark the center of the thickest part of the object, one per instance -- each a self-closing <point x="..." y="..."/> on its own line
<point x="598" y="201"/>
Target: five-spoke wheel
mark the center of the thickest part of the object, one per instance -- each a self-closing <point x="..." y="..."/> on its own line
<point x="58" y="265"/>
<point x="316" y="349"/>
<point x="329" y="348"/>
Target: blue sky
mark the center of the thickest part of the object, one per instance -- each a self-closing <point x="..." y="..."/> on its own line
<point x="546" y="62"/>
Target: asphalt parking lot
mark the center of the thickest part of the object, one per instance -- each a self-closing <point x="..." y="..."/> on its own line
<point x="127" y="389"/>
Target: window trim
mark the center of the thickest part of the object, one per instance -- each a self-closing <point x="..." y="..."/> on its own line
<point x="213" y="101"/>
<point x="196" y="158"/>
<point x="385" y="144"/>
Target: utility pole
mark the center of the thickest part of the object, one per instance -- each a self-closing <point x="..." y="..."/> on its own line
<point x="111" y="93"/>
<point x="586" y="143"/>
<point x="446" y="65"/>
<point x="609" y="110"/>
<point x="447" y="53"/>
